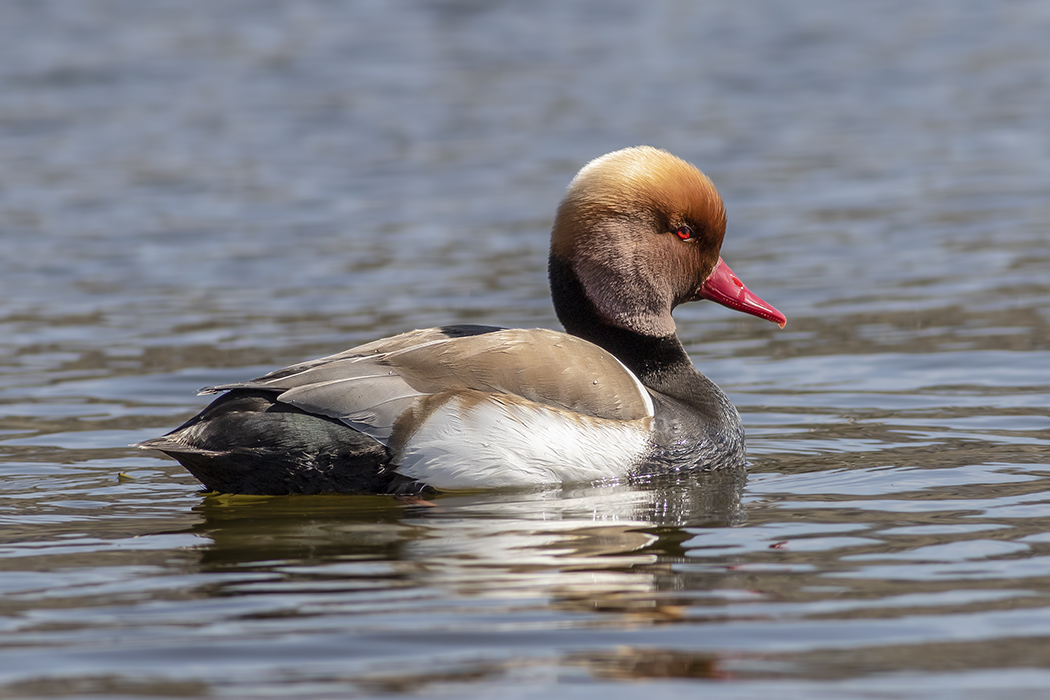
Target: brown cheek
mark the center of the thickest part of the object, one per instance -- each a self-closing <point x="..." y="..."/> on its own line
<point x="702" y="266"/>
<point x="683" y="270"/>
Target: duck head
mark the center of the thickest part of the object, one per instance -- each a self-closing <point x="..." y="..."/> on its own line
<point x="641" y="230"/>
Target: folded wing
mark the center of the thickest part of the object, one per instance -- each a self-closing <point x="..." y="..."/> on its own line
<point x="380" y="386"/>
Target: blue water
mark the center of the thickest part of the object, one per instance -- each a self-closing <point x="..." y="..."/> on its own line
<point x="193" y="195"/>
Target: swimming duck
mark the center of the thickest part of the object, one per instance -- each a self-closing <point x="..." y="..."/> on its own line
<point x="466" y="406"/>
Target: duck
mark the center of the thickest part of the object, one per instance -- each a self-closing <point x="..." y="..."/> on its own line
<point x="462" y="407"/>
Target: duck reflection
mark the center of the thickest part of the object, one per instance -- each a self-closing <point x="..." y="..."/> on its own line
<point x="593" y="547"/>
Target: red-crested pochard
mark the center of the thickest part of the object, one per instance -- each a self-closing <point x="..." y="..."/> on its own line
<point x="462" y="407"/>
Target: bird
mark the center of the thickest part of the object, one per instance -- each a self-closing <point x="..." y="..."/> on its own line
<point x="461" y="407"/>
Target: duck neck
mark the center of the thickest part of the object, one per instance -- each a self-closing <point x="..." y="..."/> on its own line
<point x="661" y="363"/>
<point x="694" y="420"/>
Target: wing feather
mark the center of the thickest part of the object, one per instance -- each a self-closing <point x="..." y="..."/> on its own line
<point x="371" y="386"/>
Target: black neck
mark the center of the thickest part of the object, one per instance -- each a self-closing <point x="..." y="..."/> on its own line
<point x="660" y="363"/>
<point x="691" y="412"/>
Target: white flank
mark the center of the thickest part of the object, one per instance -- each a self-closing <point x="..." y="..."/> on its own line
<point x="497" y="443"/>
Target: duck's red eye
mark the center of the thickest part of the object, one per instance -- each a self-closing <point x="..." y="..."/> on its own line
<point x="685" y="233"/>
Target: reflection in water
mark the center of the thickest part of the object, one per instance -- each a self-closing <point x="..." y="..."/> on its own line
<point x="553" y="542"/>
<point x="574" y="552"/>
<point x="629" y="663"/>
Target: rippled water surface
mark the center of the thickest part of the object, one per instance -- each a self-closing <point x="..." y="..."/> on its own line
<point x="197" y="195"/>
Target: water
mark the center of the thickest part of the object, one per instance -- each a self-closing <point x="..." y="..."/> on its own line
<point x="196" y="196"/>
